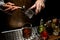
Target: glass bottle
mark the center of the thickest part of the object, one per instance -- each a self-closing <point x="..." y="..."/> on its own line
<point x="49" y="27"/>
<point x="44" y="34"/>
<point x="40" y="27"/>
<point x="56" y="31"/>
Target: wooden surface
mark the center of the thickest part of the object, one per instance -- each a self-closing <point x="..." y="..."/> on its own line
<point x="52" y="37"/>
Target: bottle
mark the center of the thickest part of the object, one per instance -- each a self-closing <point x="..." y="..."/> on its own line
<point x="56" y="31"/>
<point x="44" y="34"/>
<point x="55" y="27"/>
<point x="49" y="28"/>
<point x="54" y="21"/>
<point x="41" y="26"/>
<point x="59" y="27"/>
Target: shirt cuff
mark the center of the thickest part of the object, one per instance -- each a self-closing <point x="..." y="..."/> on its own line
<point x="1" y="3"/>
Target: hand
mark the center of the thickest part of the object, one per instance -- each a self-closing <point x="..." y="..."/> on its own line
<point x="10" y="6"/>
<point x="39" y="4"/>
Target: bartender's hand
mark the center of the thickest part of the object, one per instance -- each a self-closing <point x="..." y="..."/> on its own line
<point x="39" y="4"/>
<point x="10" y="6"/>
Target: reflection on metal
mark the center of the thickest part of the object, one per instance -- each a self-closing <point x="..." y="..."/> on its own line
<point x="17" y="34"/>
<point x="30" y="13"/>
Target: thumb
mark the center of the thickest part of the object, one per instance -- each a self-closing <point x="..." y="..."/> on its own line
<point x="32" y="6"/>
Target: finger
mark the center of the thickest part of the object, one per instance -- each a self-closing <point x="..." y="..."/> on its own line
<point x="40" y="6"/>
<point x="32" y="6"/>
<point x="9" y="3"/>
<point x="43" y="5"/>
<point x="5" y="5"/>
<point x="36" y="11"/>
<point x="37" y="8"/>
<point x="14" y="8"/>
<point x="8" y="9"/>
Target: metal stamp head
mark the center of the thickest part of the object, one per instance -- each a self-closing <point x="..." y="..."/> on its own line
<point x="29" y="13"/>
